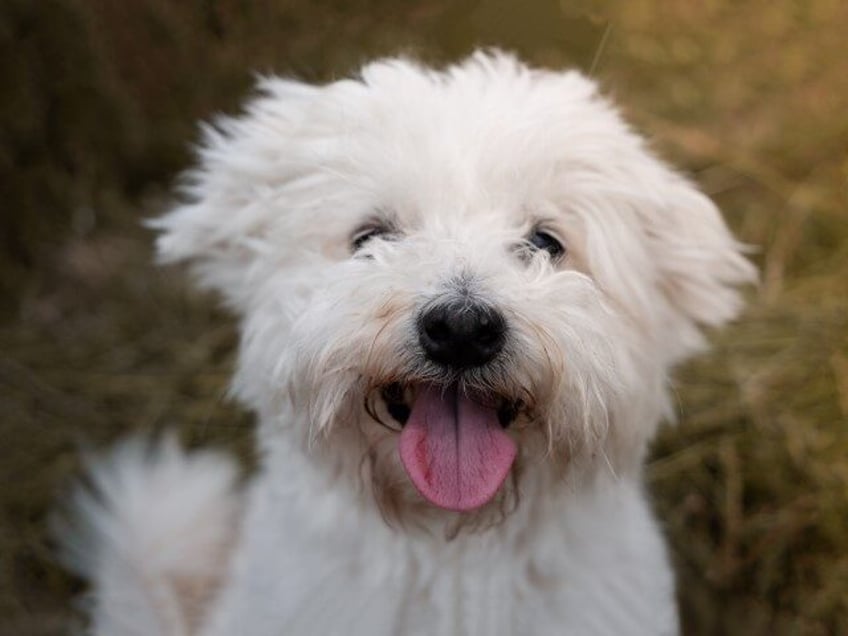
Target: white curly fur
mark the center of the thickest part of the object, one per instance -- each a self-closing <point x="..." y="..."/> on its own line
<point x="460" y="164"/>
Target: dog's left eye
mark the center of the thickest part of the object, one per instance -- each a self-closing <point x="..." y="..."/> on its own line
<point x="542" y="240"/>
<point x="364" y="234"/>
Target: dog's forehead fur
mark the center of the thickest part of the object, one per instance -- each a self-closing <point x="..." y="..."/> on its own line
<point x="484" y="139"/>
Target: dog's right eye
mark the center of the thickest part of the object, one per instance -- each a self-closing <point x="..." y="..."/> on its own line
<point x="545" y="241"/>
<point x="364" y="234"/>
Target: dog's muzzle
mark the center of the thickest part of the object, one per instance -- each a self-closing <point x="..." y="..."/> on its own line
<point x="453" y="442"/>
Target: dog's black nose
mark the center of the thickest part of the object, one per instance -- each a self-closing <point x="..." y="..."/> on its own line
<point x="461" y="335"/>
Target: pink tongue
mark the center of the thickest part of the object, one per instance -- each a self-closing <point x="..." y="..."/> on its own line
<point x="454" y="450"/>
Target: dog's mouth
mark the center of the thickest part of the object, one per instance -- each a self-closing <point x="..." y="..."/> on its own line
<point x="398" y="397"/>
<point x="453" y="444"/>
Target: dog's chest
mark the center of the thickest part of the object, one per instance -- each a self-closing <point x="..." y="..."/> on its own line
<point x="602" y="570"/>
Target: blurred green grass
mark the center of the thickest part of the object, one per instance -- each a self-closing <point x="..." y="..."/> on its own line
<point x="98" y="104"/>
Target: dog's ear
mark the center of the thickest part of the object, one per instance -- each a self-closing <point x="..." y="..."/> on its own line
<point x="230" y="202"/>
<point x="699" y="265"/>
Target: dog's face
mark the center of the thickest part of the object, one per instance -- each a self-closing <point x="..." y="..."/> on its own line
<point x="449" y="280"/>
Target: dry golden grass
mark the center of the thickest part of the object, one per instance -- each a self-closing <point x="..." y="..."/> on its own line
<point x="98" y="107"/>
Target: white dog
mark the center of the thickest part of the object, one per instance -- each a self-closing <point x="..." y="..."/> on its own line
<point x="461" y="293"/>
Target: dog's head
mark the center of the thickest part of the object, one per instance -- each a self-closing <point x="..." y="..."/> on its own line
<point x="456" y="276"/>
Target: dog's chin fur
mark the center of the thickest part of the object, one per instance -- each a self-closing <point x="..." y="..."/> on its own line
<point x="329" y="218"/>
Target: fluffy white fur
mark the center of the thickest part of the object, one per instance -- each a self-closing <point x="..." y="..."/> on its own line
<point x="459" y="166"/>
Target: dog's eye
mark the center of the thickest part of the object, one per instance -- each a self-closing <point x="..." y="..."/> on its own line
<point x="542" y="240"/>
<point x="364" y="234"/>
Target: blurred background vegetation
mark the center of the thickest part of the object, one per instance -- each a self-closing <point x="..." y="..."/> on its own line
<point x="98" y="108"/>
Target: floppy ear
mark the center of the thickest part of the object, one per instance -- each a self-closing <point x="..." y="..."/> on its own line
<point x="232" y="200"/>
<point x="699" y="264"/>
